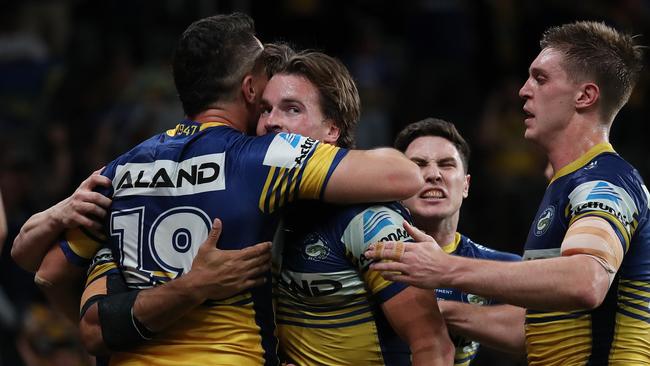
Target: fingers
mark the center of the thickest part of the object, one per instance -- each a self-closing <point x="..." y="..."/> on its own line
<point x="100" y="200"/>
<point x="390" y="250"/>
<point x="215" y="233"/>
<point x="415" y="233"/>
<point x="95" y="180"/>
<point x="389" y="267"/>
<point x="396" y="277"/>
<point x="256" y="250"/>
<point x="99" y="171"/>
<point x="253" y="282"/>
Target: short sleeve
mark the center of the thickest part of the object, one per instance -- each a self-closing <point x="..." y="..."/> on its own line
<point x="372" y="225"/>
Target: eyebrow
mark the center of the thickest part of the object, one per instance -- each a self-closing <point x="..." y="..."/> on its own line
<point x="282" y="101"/>
<point x="447" y="159"/>
<point x="537" y="70"/>
<point x="418" y="159"/>
<point x="291" y="100"/>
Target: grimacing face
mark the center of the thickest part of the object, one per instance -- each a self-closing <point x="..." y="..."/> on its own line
<point x="291" y="104"/>
<point x="549" y="96"/>
<point x="446" y="184"/>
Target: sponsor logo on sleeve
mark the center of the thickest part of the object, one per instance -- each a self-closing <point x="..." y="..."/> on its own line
<point x="288" y="150"/>
<point x="171" y="178"/>
<point x="604" y="197"/>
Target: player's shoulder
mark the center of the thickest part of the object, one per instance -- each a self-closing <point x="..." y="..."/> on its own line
<point x="469" y="248"/>
<point x="607" y="166"/>
<point x="608" y="177"/>
<point x="378" y="222"/>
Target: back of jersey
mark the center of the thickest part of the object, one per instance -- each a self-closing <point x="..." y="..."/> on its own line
<point x="167" y="191"/>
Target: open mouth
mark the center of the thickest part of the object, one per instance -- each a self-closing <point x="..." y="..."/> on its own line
<point x="433" y="194"/>
<point x="528" y="114"/>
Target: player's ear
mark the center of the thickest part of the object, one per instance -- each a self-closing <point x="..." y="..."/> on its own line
<point x="466" y="185"/>
<point x="587" y="95"/>
<point x="333" y="132"/>
<point x="248" y="89"/>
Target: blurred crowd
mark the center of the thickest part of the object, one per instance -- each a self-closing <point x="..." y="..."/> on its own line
<point x="81" y="82"/>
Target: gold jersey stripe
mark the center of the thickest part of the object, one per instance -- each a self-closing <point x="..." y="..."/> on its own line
<point x="81" y="244"/>
<point x="316" y="170"/>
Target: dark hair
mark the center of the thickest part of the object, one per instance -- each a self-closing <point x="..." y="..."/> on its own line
<point x="338" y="95"/>
<point x="273" y="58"/>
<point x="211" y="59"/>
<point x="434" y="127"/>
<point x="593" y="50"/>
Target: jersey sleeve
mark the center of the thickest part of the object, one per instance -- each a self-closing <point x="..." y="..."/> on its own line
<point x="299" y="168"/>
<point x="103" y="278"/>
<point x="609" y="201"/>
<point x="374" y="224"/>
<point x="80" y="245"/>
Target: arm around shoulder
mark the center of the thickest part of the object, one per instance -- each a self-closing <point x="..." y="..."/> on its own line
<point x="378" y="175"/>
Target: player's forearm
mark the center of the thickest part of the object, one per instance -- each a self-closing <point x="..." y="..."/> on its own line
<point x="499" y="326"/>
<point x="414" y="315"/>
<point x="91" y="332"/>
<point x="556" y="284"/>
<point x="378" y="175"/>
<point x="36" y="237"/>
<point x="161" y="306"/>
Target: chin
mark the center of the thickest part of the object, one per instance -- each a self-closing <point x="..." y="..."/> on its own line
<point x="529" y="135"/>
<point x="429" y="214"/>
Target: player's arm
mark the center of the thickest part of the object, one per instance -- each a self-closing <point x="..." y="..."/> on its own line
<point x="497" y="326"/>
<point x="122" y="320"/>
<point x="61" y="282"/>
<point x="414" y="315"/>
<point x="377" y="175"/>
<point x="84" y="208"/>
<point x="579" y="279"/>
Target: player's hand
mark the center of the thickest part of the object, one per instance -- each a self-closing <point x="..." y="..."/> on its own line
<point x="420" y="264"/>
<point x="222" y="273"/>
<point x="85" y="207"/>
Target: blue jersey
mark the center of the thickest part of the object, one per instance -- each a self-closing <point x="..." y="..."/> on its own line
<point x="462" y="246"/>
<point x="601" y="184"/>
<point x="328" y="302"/>
<point x="166" y="192"/>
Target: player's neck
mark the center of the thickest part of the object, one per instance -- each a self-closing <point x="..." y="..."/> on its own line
<point x="227" y="116"/>
<point x="443" y="231"/>
<point x="579" y="137"/>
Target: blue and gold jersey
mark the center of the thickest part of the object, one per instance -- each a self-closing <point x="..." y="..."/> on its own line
<point x="328" y="301"/>
<point x="166" y="192"/>
<point x="602" y="184"/>
<point x="462" y="246"/>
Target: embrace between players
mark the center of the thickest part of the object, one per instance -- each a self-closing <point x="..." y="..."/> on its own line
<point x="166" y="236"/>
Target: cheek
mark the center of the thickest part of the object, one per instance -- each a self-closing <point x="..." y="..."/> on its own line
<point x="260" y="130"/>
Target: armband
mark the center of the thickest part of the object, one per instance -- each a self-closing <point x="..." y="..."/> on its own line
<point x="120" y="328"/>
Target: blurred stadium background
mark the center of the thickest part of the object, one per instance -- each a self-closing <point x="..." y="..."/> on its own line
<point x="82" y="81"/>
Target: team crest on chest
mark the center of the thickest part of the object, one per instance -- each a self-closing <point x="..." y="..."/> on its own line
<point x="315" y="249"/>
<point x="544" y="221"/>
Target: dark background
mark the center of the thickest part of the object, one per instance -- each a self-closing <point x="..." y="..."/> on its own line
<point x="81" y="82"/>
